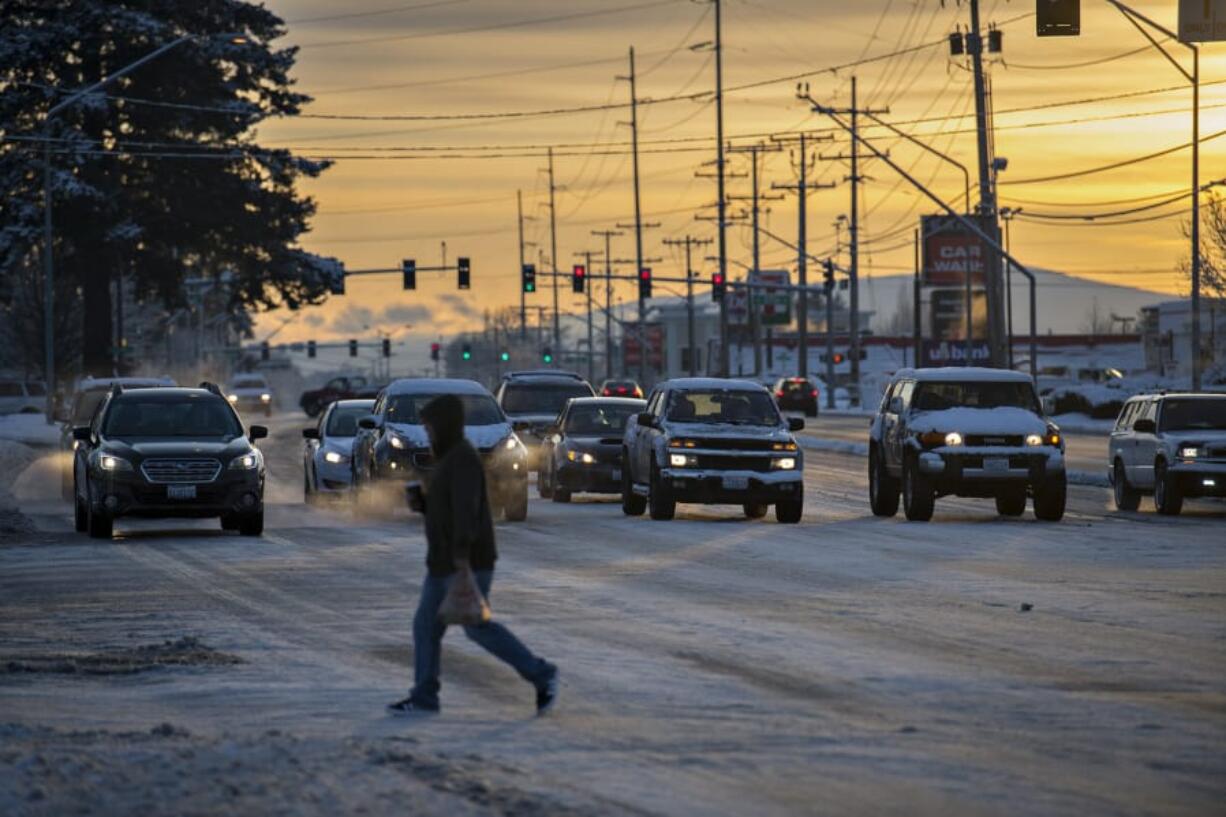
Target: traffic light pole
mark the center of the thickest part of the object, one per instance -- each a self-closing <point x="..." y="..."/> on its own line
<point x="523" y="305"/>
<point x="553" y="250"/>
<point x="608" y="299"/>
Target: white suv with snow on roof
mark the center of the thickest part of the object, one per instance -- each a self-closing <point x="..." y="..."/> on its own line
<point x="965" y="432"/>
<point x="712" y="441"/>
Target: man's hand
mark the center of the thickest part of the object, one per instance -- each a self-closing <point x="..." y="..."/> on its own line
<point x="414" y="496"/>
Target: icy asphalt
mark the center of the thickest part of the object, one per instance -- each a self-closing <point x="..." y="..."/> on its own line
<point x="711" y="665"/>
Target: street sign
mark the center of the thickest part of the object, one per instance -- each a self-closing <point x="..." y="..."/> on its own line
<point x="1057" y="18"/>
<point x="1202" y="21"/>
<point x="632" y="348"/>
<point x="953" y="353"/>
<point x="774" y="307"/>
<point x="951" y="251"/>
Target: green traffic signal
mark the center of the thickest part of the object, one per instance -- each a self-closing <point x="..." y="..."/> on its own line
<point x="504" y="357"/>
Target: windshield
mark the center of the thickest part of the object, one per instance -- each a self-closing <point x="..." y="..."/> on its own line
<point x="192" y="416"/>
<point x="247" y="382"/>
<point x="343" y="421"/>
<point x="751" y="408"/>
<point x="479" y="409"/>
<point x="541" y="398"/>
<point x="983" y="394"/>
<point x="796" y="386"/>
<point x="1202" y="414"/>
<point x="600" y="421"/>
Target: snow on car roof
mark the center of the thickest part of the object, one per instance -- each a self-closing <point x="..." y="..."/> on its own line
<point x="963" y="374"/>
<point x="435" y="385"/>
<point x="605" y="401"/>
<point x="730" y="384"/>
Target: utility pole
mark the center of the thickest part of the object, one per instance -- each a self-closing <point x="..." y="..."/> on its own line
<point x="987" y="194"/>
<point x="638" y="213"/>
<point x="553" y="251"/>
<point x="725" y="364"/>
<point x="755" y="198"/>
<point x="802" y="188"/>
<point x="608" y="300"/>
<point x="853" y="237"/>
<point x="689" y="242"/>
<point x="523" y="306"/>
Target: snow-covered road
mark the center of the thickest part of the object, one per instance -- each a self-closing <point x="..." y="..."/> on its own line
<point x="711" y="665"/>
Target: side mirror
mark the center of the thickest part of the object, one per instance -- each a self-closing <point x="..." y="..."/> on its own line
<point x="647" y="419"/>
<point x="81" y="434"/>
<point x="796" y="424"/>
<point x="1145" y="426"/>
<point x="310" y="433"/>
<point x="257" y="433"/>
<point x="369" y="423"/>
<point x="895" y="405"/>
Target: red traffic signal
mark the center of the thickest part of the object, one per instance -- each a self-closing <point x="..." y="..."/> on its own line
<point x="434" y="350"/>
<point x="645" y="282"/>
<point x="577" y="277"/>
<point x="719" y="285"/>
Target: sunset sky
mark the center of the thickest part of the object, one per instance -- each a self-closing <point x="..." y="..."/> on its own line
<point x="400" y="186"/>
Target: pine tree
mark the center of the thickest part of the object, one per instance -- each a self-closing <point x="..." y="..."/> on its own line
<point x="160" y="174"/>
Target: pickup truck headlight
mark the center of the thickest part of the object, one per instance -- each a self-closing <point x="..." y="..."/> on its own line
<point x="245" y="463"/>
<point x="1189" y="452"/>
<point x="335" y="457"/>
<point x="1034" y="439"/>
<point x="953" y="438"/>
<point x="111" y="463"/>
<point x="783" y="463"/>
<point x="265" y="398"/>
<point x="682" y="460"/>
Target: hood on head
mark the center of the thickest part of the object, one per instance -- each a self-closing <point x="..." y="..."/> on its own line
<point x="444" y="415"/>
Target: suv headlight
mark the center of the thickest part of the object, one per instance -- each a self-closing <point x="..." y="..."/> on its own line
<point x="1189" y="452"/>
<point x="682" y="460"/>
<point x="397" y="442"/>
<point x="581" y="456"/>
<point x="783" y="463"/>
<point x="335" y="457"/>
<point x="111" y="463"/>
<point x="265" y="398"/>
<point x="246" y="462"/>
<point x="1034" y="439"/>
<point x="953" y="438"/>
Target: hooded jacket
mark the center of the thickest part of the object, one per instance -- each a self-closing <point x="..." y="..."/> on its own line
<point x="459" y="524"/>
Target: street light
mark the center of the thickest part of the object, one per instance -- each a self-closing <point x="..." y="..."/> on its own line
<point x="234" y="38"/>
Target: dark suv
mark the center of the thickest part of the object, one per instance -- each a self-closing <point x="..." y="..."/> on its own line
<point x="532" y="401"/>
<point x="968" y="432"/>
<point x="168" y="452"/>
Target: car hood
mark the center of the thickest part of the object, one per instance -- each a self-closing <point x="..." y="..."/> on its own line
<point x="1003" y="420"/>
<point x="178" y="448"/>
<point x="479" y="436"/>
<point x="343" y="444"/>
<point x="1192" y="435"/>
<point x="589" y="441"/>
<point x="250" y="391"/>
<point x="726" y="431"/>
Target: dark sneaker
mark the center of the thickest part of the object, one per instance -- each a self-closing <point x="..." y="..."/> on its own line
<point x="547" y="693"/>
<point x="410" y="707"/>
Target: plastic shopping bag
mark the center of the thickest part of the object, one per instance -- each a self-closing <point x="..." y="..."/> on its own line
<point x="464" y="603"/>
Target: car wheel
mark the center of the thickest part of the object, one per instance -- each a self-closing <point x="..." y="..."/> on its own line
<point x="99" y="523"/>
<point x="882" y="488"/>
<point x="660" y="502"/>
<point x="918" y="499"/>
<point x="544" y="486"/>
<point x="80" y="514"/>
<point x="251" y="524"/>
<point x="1050" y="499"/>
<point x="1127" y="498"/>
<point x="1011" y="502"/>
<point x="1168" y="499"/>
<point x="789" y="511"/>
<point x="308" y="496"/>
<point x="561" y="495"/>
<point x="516" y="509"/>
<point x="755" y="510"/>
<point x="632" y="503"/>
<point x="311" y="407"/>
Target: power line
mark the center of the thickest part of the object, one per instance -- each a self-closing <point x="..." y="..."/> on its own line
<point x="1113" y="165"/>
<point x="1086" y="64"/>
<point x="357" y="14"/>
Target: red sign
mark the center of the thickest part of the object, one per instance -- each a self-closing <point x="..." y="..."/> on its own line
<point x="631" y="348"/>
<point x="952" y="251"/>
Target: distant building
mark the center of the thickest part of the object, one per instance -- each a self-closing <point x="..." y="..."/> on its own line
<point x="1166" y="336"/>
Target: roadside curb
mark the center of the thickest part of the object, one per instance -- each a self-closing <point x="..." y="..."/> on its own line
<point x="861" y="450"/>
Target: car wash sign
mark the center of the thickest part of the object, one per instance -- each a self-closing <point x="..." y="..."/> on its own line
<point x="951" y="251"/>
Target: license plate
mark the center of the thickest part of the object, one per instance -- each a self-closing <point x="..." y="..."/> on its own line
<point x="617" y="474"/>
<point x="996" y="465"/>
<point x="180" y="491"/>
<point x="736" y="483"/>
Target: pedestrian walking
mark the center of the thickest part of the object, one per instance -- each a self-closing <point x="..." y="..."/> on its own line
<point x="459" y="536"/>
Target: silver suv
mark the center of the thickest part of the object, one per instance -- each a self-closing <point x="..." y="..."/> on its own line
<point x="712" y="441"/>
<point x="966" y="432"/>
<point x="1170" y="445"/>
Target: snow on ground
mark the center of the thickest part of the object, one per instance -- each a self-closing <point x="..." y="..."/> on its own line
<point x="31" y="429"/>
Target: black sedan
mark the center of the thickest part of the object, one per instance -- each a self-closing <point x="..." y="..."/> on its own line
<point x="584" y="451"/>
<point x="797" y="394"/>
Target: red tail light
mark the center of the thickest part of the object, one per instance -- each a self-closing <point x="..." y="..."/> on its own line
<point x="779" y="393"/>
<point x="814" y="394"/>
<point x="621" y="389"/>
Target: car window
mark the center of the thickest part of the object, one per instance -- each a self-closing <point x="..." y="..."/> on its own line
<point x="733" y="406"/>
<point x="541" y="398"/>
<point x="343" y="420"/>
<point x="246" y="381"/>
<point x="981" y="394"/>
<point x="905" y="391"/>
<point x="1125" y="419"/>
<point x="85" y="405"/>
<point x="335" y="384"/>
<point x="1148" y="411"/>
<point x="598" y="421"/>
<point x="797" y="386"/>
<point x="479" y="409"/>
<point x="1194" y="414"/>
<point x="653" y="403"/>
<point x="10" y="389"/>
<point x="185" y="416"/>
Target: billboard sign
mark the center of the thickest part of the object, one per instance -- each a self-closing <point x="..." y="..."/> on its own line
<point x="774" y="306"/>
<point x="632" y="347"/>
<point x="953" y="353"/>
<point x="1202" y="21"/>
<point x="951" y="252"/>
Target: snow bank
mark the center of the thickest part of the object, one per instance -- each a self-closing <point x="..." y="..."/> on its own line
<point x="14" y="459"/>
<point x="1083" y="424"/>
<point x="31" y="429"/>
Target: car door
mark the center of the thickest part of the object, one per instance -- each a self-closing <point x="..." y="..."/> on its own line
<point x="1120" y="445"/>
<point x="1145" y="446"/>
<point x="896" y="428"/>
<point x="641" y="452"/>
<point x="313" y="446"/>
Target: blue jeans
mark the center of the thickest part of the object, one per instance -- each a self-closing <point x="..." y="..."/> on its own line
<point x="492" y="636"/>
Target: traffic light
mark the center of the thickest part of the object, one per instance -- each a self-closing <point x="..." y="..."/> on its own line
<point x="466" y="351"/>
<point x="645" y="282"/>
<point x="310" y="348"/>
<point x="387" y="347"/>
<point x="828" y="274"/>
<point x="956" y="48"/>
<point x="577" y="277"/>
<point x="1058" y="18"/>
<point x="504" y="356"/>
<point x="996" y="41"/>
<point x="719" y="285"/>
<point x="838" y="358"/>
<point x="409" y="268"/>
<point x="528" y="274"/>
<point x="434" y="350"/>
<point x="463" y="272"/>
<point x="353" y="348"/>
<point x="264" y="351"/>
<point x="547" y="355"/>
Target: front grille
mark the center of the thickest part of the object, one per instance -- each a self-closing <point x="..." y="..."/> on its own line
<point x="718" y="443"/>
<point x="717" y="462"/>
<point x="1013" y="440"/>
<point x="173" y="471"/>
<point x="1217" y="452"/>
<point x="1015" y="461"/>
